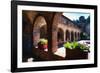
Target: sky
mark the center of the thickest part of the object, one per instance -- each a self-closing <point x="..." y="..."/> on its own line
<point x="75" y="16"/>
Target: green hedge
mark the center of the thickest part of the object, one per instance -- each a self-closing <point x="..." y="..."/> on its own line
<point x="75" y="45"/>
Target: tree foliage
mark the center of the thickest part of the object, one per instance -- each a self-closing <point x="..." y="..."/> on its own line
<point x="83" y="23"/>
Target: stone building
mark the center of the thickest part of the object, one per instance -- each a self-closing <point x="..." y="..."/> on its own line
<point x="50" y="25"/>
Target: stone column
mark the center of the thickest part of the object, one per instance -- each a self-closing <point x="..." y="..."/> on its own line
<point x="74" y="36"/>
<point x="70" y="35"/>
<point x="55" y="32"/>
<point x="65" y="36"/>
<point x="54" y="40"/>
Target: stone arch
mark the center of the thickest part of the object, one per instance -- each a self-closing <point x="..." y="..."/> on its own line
<point x="43" y="31"/>
<point x="75" y="36"/>
<point x="67" y="35"/>
<point x="60" y="35"/>
<point x="72" y="36"/>
<point x="78" y="35"/>
<point x="38" y="23"/>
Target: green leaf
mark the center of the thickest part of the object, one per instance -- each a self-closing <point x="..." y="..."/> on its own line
<point x="68" y="45"/>
<point x="43" y="41"/>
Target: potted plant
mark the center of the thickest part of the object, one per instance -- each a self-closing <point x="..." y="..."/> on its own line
<point x="75" y="50"/>
<point x="84" y="48"/>
<point x="42" y="44"/>
<point x="71" y="49"/>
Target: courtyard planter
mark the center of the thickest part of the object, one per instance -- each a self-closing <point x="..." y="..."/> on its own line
<point x="75" y="54"/>
<point x="42" y="44"/>
<point x="75" y="51"/>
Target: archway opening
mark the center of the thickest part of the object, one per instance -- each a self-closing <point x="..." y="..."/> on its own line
<point x="43" y="32"/>
<point x="39" y="30"/>
<point x="75" y="36"/>
<point x="67" y="35"/>
<point x="78" y="36"/>
<point x="72" y="36"/>
<point x="60" y="37"/>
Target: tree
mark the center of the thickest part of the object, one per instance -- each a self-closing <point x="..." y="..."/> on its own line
<point x="83" y="23"/>
<point x="82" y="19"/>
<point x="88" y="20"/>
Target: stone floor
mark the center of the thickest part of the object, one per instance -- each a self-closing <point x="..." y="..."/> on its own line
<point x="60" y="52"/>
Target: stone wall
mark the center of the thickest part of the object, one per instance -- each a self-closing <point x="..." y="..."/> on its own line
<point x="53" y="21"/>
